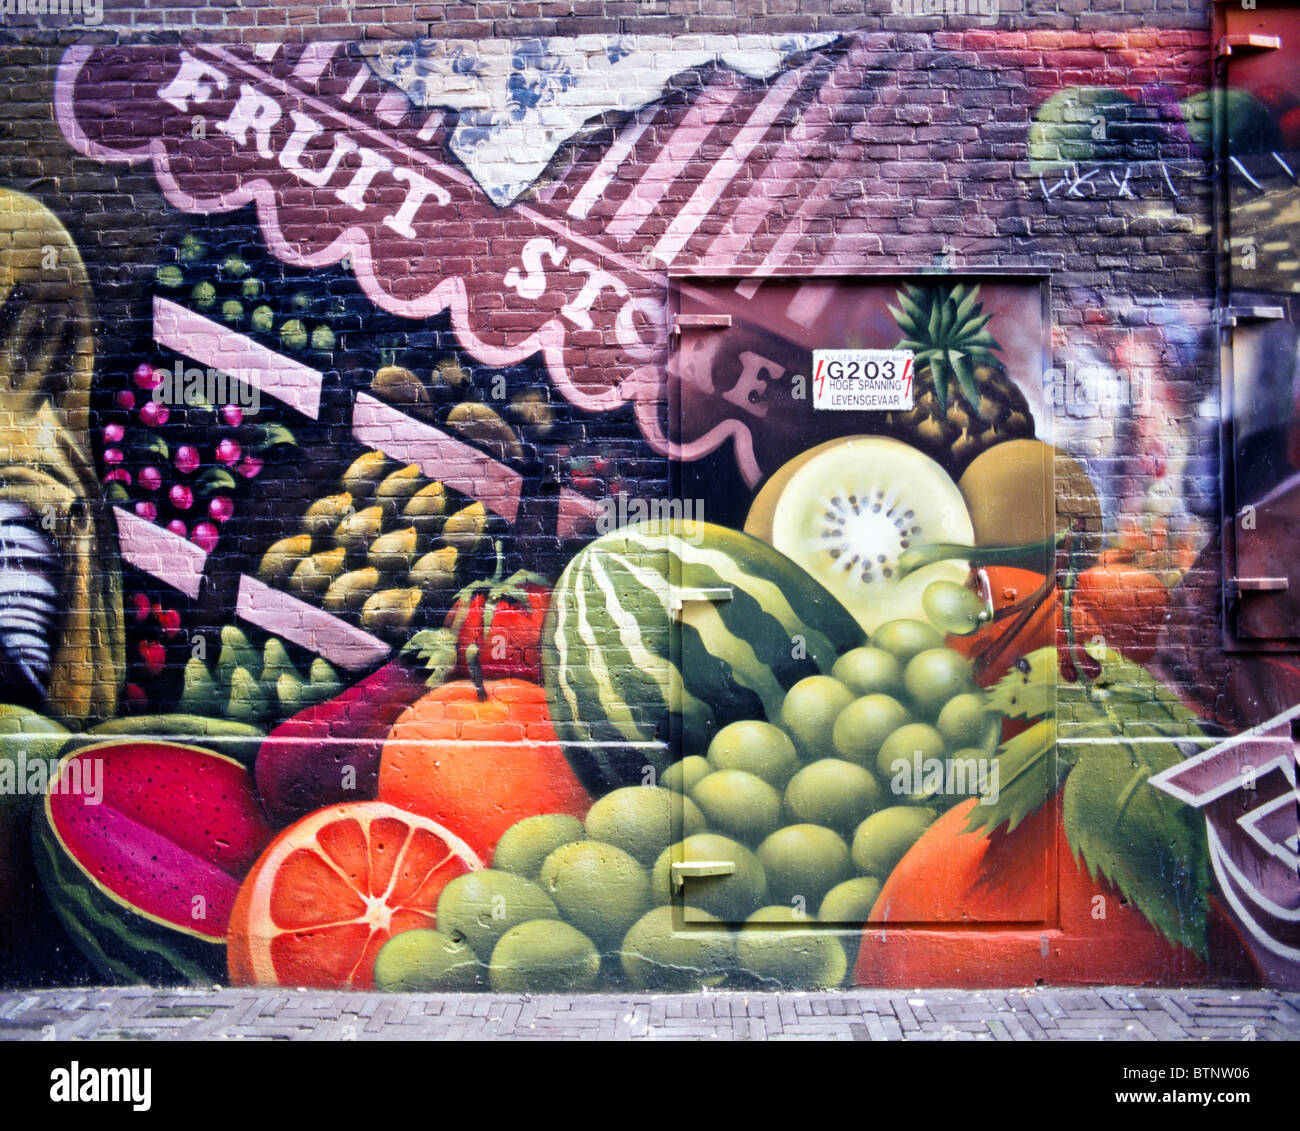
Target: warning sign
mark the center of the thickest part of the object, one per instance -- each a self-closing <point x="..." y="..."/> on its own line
<point x="862" y="380"/>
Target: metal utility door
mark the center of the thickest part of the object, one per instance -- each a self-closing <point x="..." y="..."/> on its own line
<point x="1256" y="129"/>
<point x="767" y="373"/>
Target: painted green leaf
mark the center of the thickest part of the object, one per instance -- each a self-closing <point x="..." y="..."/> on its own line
<point x="1138" y="838"/>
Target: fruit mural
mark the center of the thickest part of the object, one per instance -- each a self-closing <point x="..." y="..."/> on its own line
<point x="396" y="615"/>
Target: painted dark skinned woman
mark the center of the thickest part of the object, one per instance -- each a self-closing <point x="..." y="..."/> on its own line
<point x="61" y="625"/>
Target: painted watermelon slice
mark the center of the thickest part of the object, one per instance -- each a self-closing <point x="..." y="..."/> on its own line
<point x="141" y="847"/>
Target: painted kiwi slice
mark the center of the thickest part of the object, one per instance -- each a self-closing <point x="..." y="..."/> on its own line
<point x="849" y="512"/>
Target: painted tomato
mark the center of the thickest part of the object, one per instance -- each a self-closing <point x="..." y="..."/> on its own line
<point x="498" y="626"/>
<point x="1087" y="935"/>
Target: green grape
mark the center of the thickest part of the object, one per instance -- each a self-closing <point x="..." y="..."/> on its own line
<point x="934" y="676"/>
<point x="802" y="863"/>
<point x="953" y="608"/>
<point x="809" y="712"/>
<point x="869" y="671"/>
<point x="833" y="793"/>
<point x="758" y="748"/>
<point x="863" y="726"/>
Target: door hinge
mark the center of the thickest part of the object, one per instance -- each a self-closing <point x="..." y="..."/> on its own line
<point x="678" y="597"/>
<point x="700" y="322"/>
<point x="685" y="868"/>
<point x="1231" y="315"/>
<point x="1260" y="584"/>
<point x="1231" y="44"/>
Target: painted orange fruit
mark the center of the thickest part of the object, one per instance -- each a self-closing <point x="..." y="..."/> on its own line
<point x="330" y="890"/>
<point x="479" y="762"/>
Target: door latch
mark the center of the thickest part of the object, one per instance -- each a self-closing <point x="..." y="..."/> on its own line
<point x="678" y="597"/>
<point x="1261" y="584"/>
<point x="684" y="868"/>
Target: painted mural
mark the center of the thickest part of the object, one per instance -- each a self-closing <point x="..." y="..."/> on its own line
<point x="438" y="596"/>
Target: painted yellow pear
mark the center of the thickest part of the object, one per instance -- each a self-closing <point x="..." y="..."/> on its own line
<point x="355" y="533"/>
<point x="350" y="591"/>
<point x="397" y="488"/>
<point x="424" y="510"/>
<point x="435" y="572"/>
<point x="391" y="610"/>
<point x="465" y="529"/>
<point x="481" y="424"/>
<point x="325" y="514"/>
<point x="282" y="559"/>
<point x="314" y="574"/>
<point x="393" y="553"/>
<point x="365" y="473"/>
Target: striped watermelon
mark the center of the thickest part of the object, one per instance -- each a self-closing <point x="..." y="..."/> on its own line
<point x="630" y="686"/>
<point x="141" y="847"/>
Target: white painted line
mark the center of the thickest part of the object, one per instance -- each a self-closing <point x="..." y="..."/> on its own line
<point x="392" y="107"/>
<point x="313" y="61"/>
<point x="438" y="455"/>
<point x="160" y="553"/>
<point x="179" y="329"/>
<point x="727" y="166"/>
<point x="314" y="629"/>
<point x="358" y="81"/>
<point x="604" y="172"/>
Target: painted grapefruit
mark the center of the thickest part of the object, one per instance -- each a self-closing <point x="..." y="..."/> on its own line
<point x="330" y="890"/>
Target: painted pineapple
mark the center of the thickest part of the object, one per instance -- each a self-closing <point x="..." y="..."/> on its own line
<point x="964" y="401"/>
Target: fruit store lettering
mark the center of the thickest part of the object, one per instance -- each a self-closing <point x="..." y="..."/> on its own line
<point x="257" y="114"/>
<point x="862" y="380"/>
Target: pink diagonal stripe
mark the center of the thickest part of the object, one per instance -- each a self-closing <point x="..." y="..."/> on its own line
<point x="614" y="156"/>
<point x="194" y="336"/>
<point x="727" y="166"/>
<point x="313" y="61"/>
<point x="160" y="553"/>
<point x="316" y="630"/>
<point x="577" y="513"/>
<point x="438" y="455"/>
<point x="681" y="146"/>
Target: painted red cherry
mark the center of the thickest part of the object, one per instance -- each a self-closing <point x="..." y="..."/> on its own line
<point x="154" y="414"/>
<point x="221" y="507"/>
<point x="118" y="475"/>
<point x="169" y="620"/>
<point x="187" y="458"/>
<point x="125" y="399"/>
<point x="150" y="478"/>
<point x="250" y="467"/>
<point x="177" y="527"/>
<point x="153" y="656"/>
<point x="139" y="606"/>
<point x="228" y="451"/>
<point x="112" y="455"/>
<point x="146" y="511"/>
<point x="113" y="433"/>
<point x="204" y="536"/>
<point x="135" y="696"/>
<point x="145" y="377"/>
<point x="232" y="414"/>
<point x="181" y="496"/>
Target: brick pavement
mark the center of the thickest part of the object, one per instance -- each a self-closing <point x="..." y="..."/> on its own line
<point x="1120" y="1014"/>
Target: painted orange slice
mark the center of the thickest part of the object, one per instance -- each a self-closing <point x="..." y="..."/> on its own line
<point x="330" y="890"/>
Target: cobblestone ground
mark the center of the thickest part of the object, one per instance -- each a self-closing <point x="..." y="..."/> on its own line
<point x="1119" y="1014"/>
